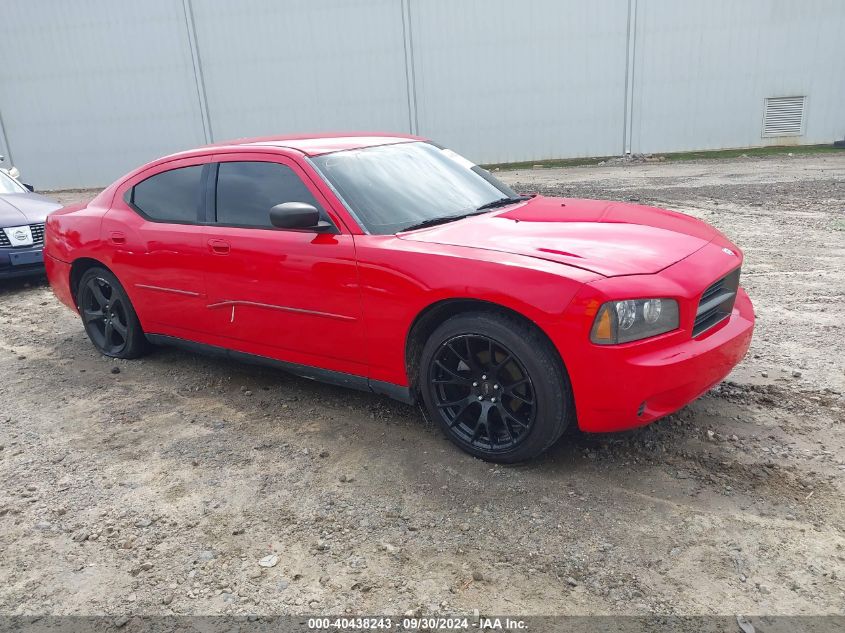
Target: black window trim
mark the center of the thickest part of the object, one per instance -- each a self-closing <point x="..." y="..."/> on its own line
<point x="210" y="194"/>
<point x="202" y="207"/>
<point x="207" y="208"/>
<point x="211" y="200"/>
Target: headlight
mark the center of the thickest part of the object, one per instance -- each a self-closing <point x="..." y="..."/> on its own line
<point x="633" y="319"/>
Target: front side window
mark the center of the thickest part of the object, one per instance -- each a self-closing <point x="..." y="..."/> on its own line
<point x="246" y="191"/>
<point x="392" y="187"/>
<point x="171" y="196"/>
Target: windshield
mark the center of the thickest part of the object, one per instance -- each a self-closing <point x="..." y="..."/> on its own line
<point x="390" y="188"/>
<point x="9" y="185"/>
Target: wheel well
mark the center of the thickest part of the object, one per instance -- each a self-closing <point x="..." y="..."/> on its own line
<point x="429" y="319"/>
<point x="78" y="268"/>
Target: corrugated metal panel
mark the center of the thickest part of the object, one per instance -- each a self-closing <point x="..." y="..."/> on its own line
<point x="784" y="116"/>
<point x="302" y="66"/>
<point x="501" y="80"/>
<point x="91" y="89"/>
<point x="703" y="69"/>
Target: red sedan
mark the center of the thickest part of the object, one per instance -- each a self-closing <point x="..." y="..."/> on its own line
<point x="393" y="265"/>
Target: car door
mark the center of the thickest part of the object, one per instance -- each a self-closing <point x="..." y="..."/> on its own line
<point x="287" y="294"/>
<point x="155" y="240"/>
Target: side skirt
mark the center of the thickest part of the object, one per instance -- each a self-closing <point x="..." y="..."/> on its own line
<point x="397" y="392"/>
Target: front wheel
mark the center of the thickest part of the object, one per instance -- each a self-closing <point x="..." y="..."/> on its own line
<point x="496" y="386"/>
<point x="108" y="316"/>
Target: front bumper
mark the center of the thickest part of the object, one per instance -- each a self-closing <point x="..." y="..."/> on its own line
<point x="653" y="384"/>
<point x="619" y="387"/>
<point x="21" y="262"/>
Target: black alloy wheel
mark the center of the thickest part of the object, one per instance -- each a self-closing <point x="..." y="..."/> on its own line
<point x="104" y="316"/>
<point x="484" y="392"/>
<point x="496" y="386"/>
<point x="108" y="316"/>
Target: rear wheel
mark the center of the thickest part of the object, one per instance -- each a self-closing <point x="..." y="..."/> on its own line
<point x="108" y="316"/>
<point x="496" y="386"/>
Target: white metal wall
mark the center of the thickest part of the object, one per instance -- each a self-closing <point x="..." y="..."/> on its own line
<point x="91" y="89"/>
<point x="274" y="67"/>
<point x="511" y="81"/>
<point x="702" y="71"/>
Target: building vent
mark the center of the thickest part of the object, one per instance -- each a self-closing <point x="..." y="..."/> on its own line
<point x="784" y="116"/>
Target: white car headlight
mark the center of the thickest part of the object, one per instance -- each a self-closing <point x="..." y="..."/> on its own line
<point x="634" y="319"/>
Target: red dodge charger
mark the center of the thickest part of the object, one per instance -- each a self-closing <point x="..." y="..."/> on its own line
<point x="390" y="264"/>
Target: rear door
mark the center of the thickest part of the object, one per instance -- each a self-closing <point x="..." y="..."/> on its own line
<point x="286" y="294"/>
<point x="155" y="235"/>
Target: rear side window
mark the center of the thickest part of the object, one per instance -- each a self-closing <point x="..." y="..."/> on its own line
<point x="246" y="191"/>
<point x="171" y="196"/>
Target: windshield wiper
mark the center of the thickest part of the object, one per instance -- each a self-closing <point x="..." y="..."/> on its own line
<point x="435" y="221"/>
<point x="501" y="202"/>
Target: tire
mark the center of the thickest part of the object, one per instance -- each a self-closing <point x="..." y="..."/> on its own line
<point x="107" y="315"/>
<point x="496" y="386"/>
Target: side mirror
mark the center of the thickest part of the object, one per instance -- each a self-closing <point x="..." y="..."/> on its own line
<point x="30" y="187"/>
<point x="297" y="215"/>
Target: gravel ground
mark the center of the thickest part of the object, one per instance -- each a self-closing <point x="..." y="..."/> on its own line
<point x="155" y="486"/>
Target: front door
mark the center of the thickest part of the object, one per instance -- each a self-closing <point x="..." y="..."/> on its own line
<point x="292" y="295"/>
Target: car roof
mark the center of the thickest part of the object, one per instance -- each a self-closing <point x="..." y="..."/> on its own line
<point x="316" y="144"/>
<point x="306" y="144"/>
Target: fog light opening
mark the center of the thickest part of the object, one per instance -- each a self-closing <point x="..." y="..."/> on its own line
<point x="641" y="410"/>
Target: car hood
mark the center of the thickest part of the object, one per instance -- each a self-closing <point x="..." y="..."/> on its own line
<point x="25" y="208"/>
<point x="608" y="238"/>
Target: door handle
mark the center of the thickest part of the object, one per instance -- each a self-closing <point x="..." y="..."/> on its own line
<point x="219" y="247"/>
<point x="117" y="238"/>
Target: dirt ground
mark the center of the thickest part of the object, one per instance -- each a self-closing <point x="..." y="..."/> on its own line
<point x="157" y="489"/>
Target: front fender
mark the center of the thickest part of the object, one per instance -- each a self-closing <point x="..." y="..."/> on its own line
<point x="400" y="279"/>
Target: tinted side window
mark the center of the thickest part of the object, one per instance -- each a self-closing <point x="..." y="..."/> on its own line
<point x="171" y="196"/>
<point x="246" y="191"/>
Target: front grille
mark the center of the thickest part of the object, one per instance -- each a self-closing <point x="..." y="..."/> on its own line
<point x="37" y="236"/>
<point x="716" y="303"/>
<point x="37" y="233"/>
